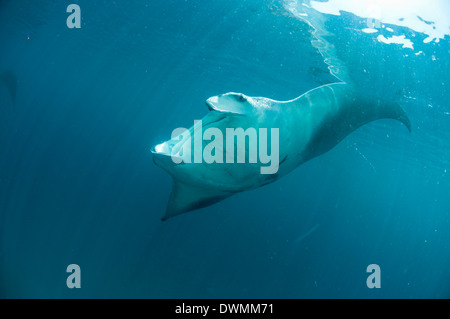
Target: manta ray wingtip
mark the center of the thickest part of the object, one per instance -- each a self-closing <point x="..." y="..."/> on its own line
<point x="405" y="120"/>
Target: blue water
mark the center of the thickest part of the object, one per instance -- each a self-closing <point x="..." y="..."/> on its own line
<point x="78" y="184"/>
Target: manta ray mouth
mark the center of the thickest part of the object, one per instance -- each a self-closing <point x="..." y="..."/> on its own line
<point x="160" y="149"/>
<point x="167" y="148"/>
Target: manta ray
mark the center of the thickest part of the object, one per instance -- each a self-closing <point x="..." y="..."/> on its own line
<point x="307" y="127"/>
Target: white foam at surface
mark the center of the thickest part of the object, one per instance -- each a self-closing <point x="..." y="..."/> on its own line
<point x="427" y="17"/>
<point x="369" y="30"/>
<point x="397" y="40"/>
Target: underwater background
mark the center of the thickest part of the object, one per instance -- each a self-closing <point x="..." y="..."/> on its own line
<point x="81" y="108"/>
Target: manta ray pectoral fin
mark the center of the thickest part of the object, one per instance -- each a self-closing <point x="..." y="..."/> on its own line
<point x="381" y="109"/>
<point x="403" y="117"/>
<point x="185" y="198"/>
<point x="341" y="111"/>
